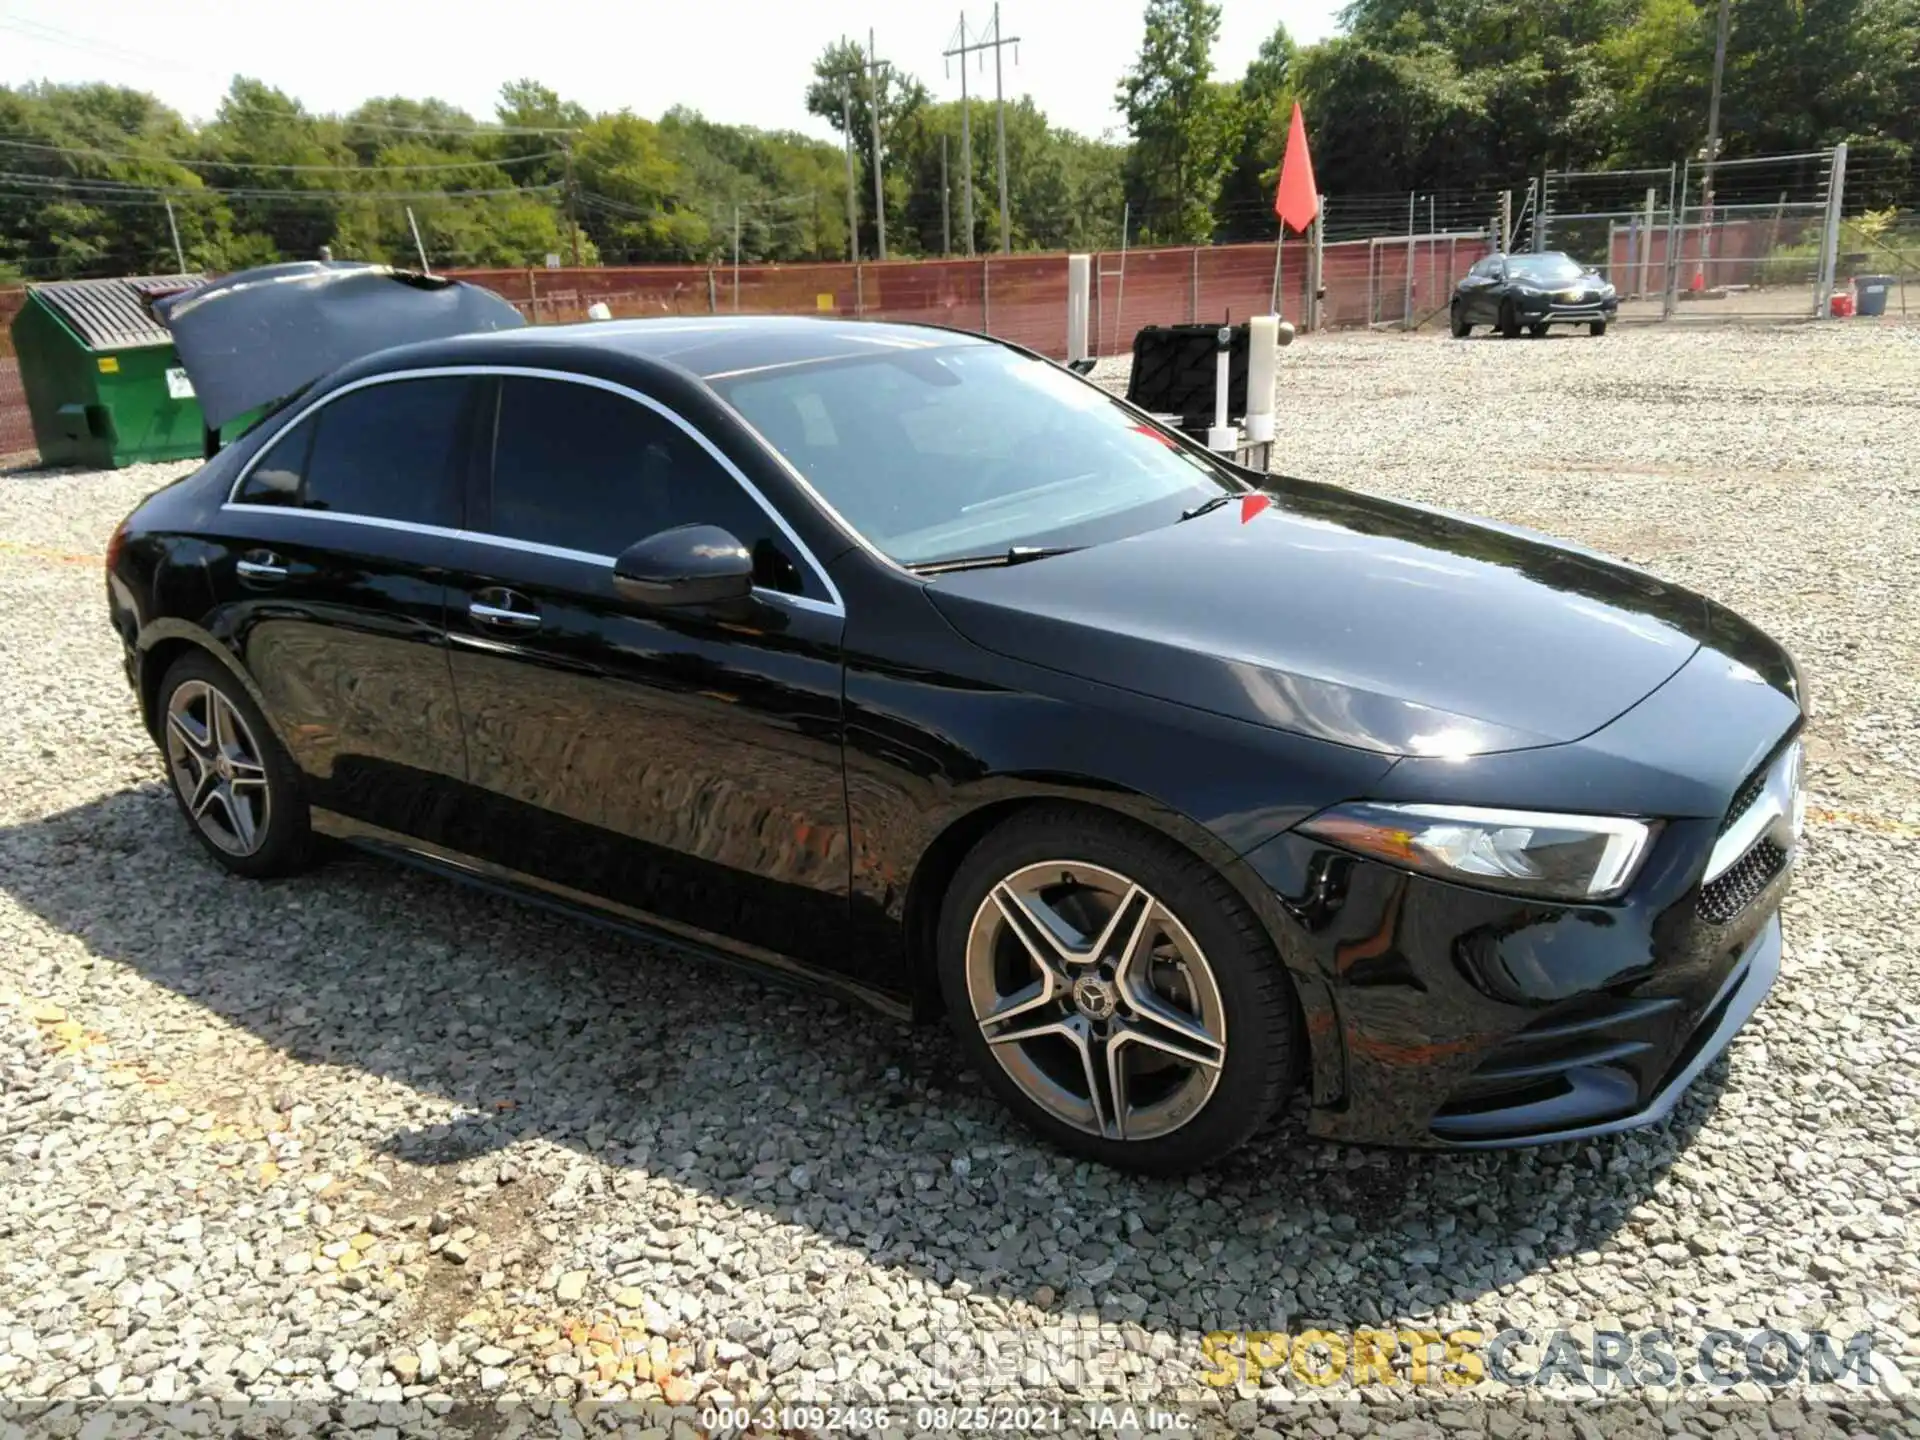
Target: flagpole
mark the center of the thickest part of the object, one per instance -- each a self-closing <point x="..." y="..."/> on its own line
<point x="1278" y="245"/>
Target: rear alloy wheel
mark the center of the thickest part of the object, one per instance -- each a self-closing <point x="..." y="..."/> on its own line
<point x="1094" y="1008"/>
<point x="1509" y="322"/>
<point x="1597" y="328"/>
<point x="234" y="783"/>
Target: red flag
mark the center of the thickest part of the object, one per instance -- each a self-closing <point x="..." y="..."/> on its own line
<point x="1297" y="201"/>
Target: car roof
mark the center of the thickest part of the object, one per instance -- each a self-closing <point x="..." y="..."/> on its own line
<point x="711" y="347"/>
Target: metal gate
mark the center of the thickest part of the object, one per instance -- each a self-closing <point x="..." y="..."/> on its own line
<point x="1747" y="239"/>
<point x="1756" y="238"/>
<point x="1618" y="222"/>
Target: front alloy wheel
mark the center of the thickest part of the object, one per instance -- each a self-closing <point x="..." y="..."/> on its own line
<point x="1116" y="991"/>
<point x="1095" y="1000"/>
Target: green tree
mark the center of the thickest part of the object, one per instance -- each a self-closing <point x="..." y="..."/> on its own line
<point x="1183" y="125"/>
<point x="843" y="89"/>
<point x="1245" y="208"/>
<point x="640" y="207"/>
<point x="1388" y="119"/>
<point x="284" y="166"/>
<point x="550" y="125"/>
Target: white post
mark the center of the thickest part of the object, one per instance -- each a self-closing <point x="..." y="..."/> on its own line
<point x="1830" y="245"/>
<point x="1263" y="351"/>
<point x="1222" y="438"/>
<point x="1079" y="281"/>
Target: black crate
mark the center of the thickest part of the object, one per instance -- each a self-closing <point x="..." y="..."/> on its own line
<point x="1173" y="372"/>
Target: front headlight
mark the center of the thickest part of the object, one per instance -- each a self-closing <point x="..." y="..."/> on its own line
<point x="1562" y="857"/>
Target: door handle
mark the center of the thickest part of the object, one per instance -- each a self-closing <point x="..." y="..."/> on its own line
<point x="503" y="617"/>
<point x="261" y="567"/>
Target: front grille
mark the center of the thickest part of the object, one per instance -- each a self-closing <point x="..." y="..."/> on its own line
<point x="1749" y="792"/>
<point x="1730" y="893"/>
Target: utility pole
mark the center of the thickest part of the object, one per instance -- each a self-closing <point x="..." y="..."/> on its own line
<point x="1713" y="138"/>
<point x="573" y="223"/>
<point x="964" y="48"/>
<point x="966" y="137"/>
<point x="1000" y="123"/>
<point x="946" y="203"/>
<point x="853" y="210"/>
<point x="874" y="66"/>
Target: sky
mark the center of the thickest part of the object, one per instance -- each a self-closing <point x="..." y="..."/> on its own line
<point x="647" y="55"/>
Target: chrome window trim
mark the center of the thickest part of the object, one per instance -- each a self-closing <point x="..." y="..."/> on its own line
<point x="834" y="605"/>
<point x="500" y="542"/>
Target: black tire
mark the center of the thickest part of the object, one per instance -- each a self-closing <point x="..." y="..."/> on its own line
<point x="283" y="843"/>
<point x="1259" y="1014"/>
<point x="1461" y="329"/>
<point x="1509" y="322"/>
<point x="1597" y="328"/>
<point x="1537" y="329"/>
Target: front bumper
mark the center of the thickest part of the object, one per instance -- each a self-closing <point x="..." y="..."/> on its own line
<point x="1441" y="1016"/>
<point x="1550" y="308"/>
<point x="1596" y="1089"/>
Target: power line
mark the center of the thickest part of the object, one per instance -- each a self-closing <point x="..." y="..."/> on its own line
<point x="154" y="192"/>
<point x="88" y="152"/>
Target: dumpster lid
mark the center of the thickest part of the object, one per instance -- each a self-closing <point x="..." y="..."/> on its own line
<point x="258" y="336"/>
<point x="113" y="314"/>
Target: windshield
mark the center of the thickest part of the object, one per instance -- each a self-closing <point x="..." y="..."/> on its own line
<point x="944" y="451"/>
<point x="1552" y="269"/>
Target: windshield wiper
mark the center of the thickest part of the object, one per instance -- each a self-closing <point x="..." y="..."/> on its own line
<point x="1012" y="555"/>
<point x="1207" y="505"/>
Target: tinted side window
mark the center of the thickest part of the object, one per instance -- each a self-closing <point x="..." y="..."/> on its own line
<point x="586" y="469"/>
<point x="390" y="452"/>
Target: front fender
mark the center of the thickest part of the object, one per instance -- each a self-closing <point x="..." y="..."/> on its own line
<point x="942" y="737"/>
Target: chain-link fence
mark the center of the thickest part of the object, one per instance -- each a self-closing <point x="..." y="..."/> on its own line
<point x="1762" y="238"/>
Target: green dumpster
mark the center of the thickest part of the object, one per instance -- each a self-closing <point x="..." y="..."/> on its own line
<point x="103" y="385"/>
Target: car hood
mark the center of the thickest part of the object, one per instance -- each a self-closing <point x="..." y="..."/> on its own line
<point x="255" y="337"/>
<point x="1319" y="610"/>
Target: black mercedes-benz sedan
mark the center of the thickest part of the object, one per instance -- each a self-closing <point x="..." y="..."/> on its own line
<point x="909" y="664"/>
<point x="1535" y="291"/>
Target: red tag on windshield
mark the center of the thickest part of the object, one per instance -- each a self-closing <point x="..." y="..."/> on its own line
<point x="1152" y="434"/>
<point x="1252" y="505"/>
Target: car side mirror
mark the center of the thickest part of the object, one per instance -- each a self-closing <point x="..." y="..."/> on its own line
<point x="687" y="565"/>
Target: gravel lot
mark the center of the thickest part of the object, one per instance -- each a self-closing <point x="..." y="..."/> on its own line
<point x="369" y="1136"/>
